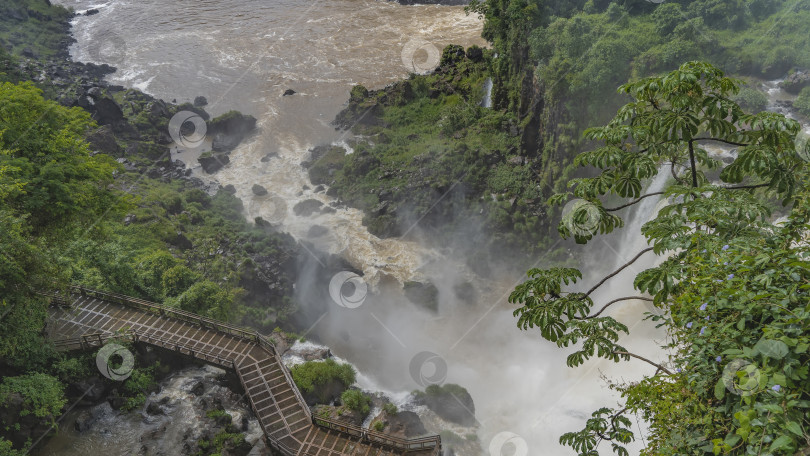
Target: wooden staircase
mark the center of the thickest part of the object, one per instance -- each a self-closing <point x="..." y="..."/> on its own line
<point x="88" y="319"/>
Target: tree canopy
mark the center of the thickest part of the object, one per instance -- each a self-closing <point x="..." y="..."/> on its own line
<point x="732" y="289"/>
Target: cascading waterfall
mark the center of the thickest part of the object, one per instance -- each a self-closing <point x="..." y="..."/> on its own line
<point x="242" y="55"/>
<point x="486" y="101"/>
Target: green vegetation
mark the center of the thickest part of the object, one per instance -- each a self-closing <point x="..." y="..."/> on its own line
<point x="431" y="154"/>
<point x="69" y="214"/>
<point x="802" y="103"/>
<point x="137" y="385"/>
<point x="356" y="400"/>
<point x="311" y="375"/>
<point x="390" y="408"/>
<point x="732" y="291"/>
<point x="378" y="426"/>
<point x="43" y="395"/>
<point x="33" y="27"/>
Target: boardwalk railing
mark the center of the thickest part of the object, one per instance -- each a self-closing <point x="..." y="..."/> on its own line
<point x="384" y="440"/>
<point x="98" y="339"/>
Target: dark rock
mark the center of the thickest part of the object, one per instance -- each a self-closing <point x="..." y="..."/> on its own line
<point x="107" y="111"/>
<point x="229" y="129"/>
<point x="258" y="190"/>
<point x="289" y="92"/>
<point x="327" y="209"/>
<point x="267" y="157"/>
<point x="200" y="101"/>
<point x="28" y="52"/>
<point x="319" y="189"/>
<point x="423" y="294"/>
<point x="88" y="417"/>
<point x="229" y="189"/>
<point x="213" y="163"/>
<point x="451" y="402"/>
<point x="475" y="53"/>
<point x="795" y="82"/>
<point x="94" y="92"/>
<point x="198" y="388"/>
<point x="317" y="231"/>
<point x="103" y="140"/>
<point x="153" y="408"/>
<point x="91" y="12"/>
<point x="404" y="424"/>
<point x="307" y="207"/>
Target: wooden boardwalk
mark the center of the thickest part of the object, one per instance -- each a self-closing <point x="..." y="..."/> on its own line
<point x="89" y="318"/>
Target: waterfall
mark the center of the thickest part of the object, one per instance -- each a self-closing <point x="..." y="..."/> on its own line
<point x="486" y="101"/>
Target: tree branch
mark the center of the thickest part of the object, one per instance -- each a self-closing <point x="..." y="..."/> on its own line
<point x="740" y="187"/>
<point x="645" y="360"/>
<point x="626" y="298"/>
<point x="692" y="163"/>
<point x="612" y="209"/>
<point x="722" y="141"/>
<point x="612" y="274"/>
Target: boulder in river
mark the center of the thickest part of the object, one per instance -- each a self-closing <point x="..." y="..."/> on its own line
<point x="200" y="101"/>
<point x="212" y="163"/>
<point x="795" y="82"/>
<point x="289" y="92"/>
<point x="307" y="207"/>
<point x="451" y="402"/>
<point x="229" y="129"/>
<point x="404" y="424"/>
<point x="258" y="190"/>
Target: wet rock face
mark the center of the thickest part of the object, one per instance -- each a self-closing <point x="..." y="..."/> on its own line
<point x="404" y="424"/>
<point x="258" y="190"/>
<point x="307" y="207"/>
<point x="451" y="402"/>
<point x="795" y="82"/>
<point x="229" y="129"/>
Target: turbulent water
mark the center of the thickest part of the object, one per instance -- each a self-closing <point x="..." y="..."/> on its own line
<point x="243" y="54"/>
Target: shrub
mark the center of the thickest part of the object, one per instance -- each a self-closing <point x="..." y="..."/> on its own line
<point x="390" y="408"/>
<point x="802" y="103"/>
<point x="356" y="400"/>
<point x="318" y="373"/>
